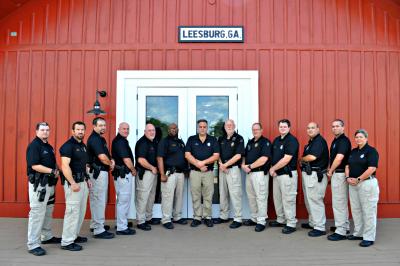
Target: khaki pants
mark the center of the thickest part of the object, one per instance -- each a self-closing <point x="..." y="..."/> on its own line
<point x="340" y="199"/>
<point x="98" y="201"/>
<point x="40" y="216"/>
<point x="123" y="191"/>
<point x="314" y="193"/>
<point x="145" y="196"/>
<point x="202" y="184"/>
<point x="172" y="197"/>
<point x="284" y="192"/>
<point x="364" y="206"/>
<point x="257" y="193"/>
<point x="75" y="209"/>
<point x="230" y="186"/>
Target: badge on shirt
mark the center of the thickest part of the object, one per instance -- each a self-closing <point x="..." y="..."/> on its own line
<point x="232" y="144"/>
<point x="256" y="145"/>
<point x="334" y="145"/>
<point x="208" y="144"/>
<point x="281" y="147"/>
<point x="45" y="152"/>
<point x="307" y="148"/>
<point x="362" y="156"/>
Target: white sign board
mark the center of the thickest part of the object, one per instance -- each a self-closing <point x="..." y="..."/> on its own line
<point x="210" y="34"/>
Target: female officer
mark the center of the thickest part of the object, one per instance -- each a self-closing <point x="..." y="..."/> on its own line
<point x="364" y="189"/>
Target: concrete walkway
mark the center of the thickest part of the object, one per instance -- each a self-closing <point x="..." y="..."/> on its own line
<point x="203" y="246"/>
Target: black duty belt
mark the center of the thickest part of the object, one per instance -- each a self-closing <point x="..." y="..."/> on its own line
<point x="339" y="170"/>
<point x="258" y="169"/>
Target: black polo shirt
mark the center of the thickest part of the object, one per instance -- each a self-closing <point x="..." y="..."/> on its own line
<point x="288" y="145"/>
<point x="202" y="150"/>
<point x="146" y="149"/>
<point x="361" y="159"/>
<point x="120" y="149"/>
<point x="97" y="145"/>
<point x="340" y="145"/>
<point x="230" y="147"/>
<point x="172" y="150"/>
<point x="39" y="152"/>
<point x="318" y="148"/>
<point x="77" y="152"/>
<point x="256" y="149"/>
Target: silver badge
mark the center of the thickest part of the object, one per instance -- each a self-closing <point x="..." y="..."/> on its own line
<point x="232" y="144"/>
<point x="281" y="147"/>
<point x="334" y="145"/>
<point x="208" y="144"/>
<point x="362" y="156"/>
<point x="256" y="145"/>
<point x="307" y="148"/>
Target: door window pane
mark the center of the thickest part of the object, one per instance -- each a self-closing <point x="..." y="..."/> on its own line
<point x="215" y="109"/>
<point x="161" y="111"/>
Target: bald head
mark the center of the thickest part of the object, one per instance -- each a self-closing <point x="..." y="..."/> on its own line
<point x="150" y="131"/>
<point x="312" y="129"/>
<point x="173" y="130"/>
<point x="123" y="129"/>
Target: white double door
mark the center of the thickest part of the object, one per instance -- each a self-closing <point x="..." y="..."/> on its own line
<point x="184" y="106"/>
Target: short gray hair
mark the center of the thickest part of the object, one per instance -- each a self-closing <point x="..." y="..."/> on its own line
<point x="361" y="131"/>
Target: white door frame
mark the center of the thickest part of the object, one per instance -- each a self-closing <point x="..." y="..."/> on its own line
<point x="128" y="82"/>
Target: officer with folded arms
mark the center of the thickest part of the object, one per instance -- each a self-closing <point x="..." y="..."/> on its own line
<point x="285" y="149"/>
<point x="230" y="177"/>
<point x="172" y="163"/>
<point x="74" y="178"/>
<point x="364" y="189"/>
<point x="43" y="174"/>
<point x="124" y="173"/>
<point x="339" y="154"/>
<point x="314" y="164"/>
<point x="256" y="165"/>
<point x="146" y="181"/>
<point x="101" y="163"/>
<point x="202" y="150"/>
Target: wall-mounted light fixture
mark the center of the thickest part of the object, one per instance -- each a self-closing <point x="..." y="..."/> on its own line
<point x="96" y="106"/>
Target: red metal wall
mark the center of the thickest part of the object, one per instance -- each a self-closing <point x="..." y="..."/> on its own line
<point x="317" y="59"/>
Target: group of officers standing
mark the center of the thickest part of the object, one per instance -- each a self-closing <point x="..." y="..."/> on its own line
<point x="84" y="170"/>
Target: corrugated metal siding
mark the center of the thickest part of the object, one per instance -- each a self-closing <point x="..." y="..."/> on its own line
<point x="317" y="60"/>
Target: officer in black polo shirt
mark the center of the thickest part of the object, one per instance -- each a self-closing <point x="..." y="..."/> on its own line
<point x="314" y="165"/>
<point x="285" y="150"/>
<point x="364" y="189"/>
<point x="74" y="163"/>
<point x="172" y="163"/>
<point x="256" y="165"/>
<point x="43" y="174"/>
<point x="101" y="163"/>
<point x="339" y="154"/>
<point x="202" y="150"/>
<point x="124" y="172"/>
<point x="146" y="182"/>
<point x="230" y="178"/>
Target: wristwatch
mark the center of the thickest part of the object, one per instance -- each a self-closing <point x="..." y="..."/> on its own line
<point x="359" y="179"/>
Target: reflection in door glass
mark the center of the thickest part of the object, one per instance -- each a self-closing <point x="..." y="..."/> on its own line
<point x="215" y="109"/>
<point x="162" y="111"/>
